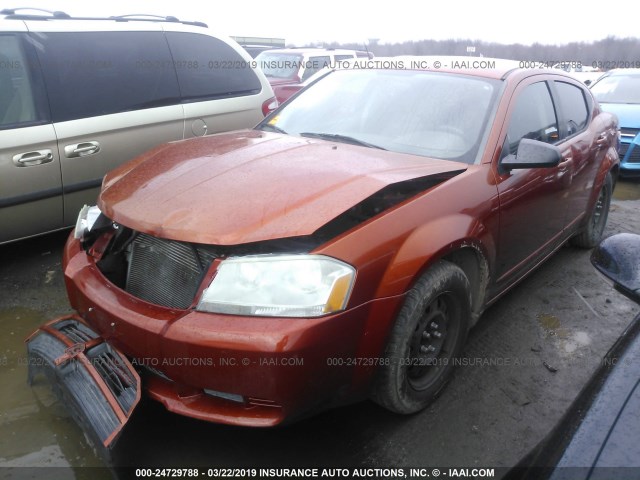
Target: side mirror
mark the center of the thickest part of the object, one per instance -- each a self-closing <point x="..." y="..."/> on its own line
<point x="618" y="259"/>
<point x="532" y="154"/>
<point x="588" y="82"/>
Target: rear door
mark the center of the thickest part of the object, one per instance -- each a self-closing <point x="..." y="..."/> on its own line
<point x="113" y="95"/>
<point x="30" y="179"/>
<point x="584" y="150"/>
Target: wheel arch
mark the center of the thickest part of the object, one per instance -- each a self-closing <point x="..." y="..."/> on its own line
<point x="610" y="164"/>
<point x="615" y="173"/>
<point x="473" y="263"/>
<point x="460" y="239"/>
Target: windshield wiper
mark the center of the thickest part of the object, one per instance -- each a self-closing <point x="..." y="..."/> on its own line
<point x="340" y="138"/>
<point x="273" y="128"/>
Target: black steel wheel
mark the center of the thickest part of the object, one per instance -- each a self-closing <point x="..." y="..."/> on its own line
<point x="592" y="233"/>
<point x="427" y="336"/>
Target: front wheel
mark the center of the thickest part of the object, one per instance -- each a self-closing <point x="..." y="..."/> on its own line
<point x="429" y="333"/>
<point x="592" y="233"/>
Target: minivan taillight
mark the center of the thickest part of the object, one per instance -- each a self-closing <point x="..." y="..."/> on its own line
<point x="269" y="106"/>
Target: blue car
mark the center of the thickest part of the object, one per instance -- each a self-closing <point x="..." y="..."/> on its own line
<point x="618" y="91"/>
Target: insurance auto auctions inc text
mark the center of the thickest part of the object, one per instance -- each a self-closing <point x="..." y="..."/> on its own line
<point x="371" y="473"/>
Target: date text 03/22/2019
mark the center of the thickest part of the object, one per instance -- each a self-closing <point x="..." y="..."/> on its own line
<point x="262" y="473"/>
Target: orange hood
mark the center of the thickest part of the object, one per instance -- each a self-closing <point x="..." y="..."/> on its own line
<point x="250" y="186"/>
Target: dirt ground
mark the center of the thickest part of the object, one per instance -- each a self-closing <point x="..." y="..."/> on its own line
<point x="525" y="362"/>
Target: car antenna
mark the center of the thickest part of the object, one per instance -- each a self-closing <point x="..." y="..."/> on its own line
<point x="366" y="49"/>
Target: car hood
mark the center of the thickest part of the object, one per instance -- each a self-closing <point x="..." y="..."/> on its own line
<point x="251" y="186"/>
<point x="628" y="113"/>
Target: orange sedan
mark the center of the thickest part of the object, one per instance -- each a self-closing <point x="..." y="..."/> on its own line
<point x="341" y="250"/>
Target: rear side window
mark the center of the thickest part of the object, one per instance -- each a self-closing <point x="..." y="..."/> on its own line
<point x="340" y="58"/>
<point x="315" y="64"/>
<point x="208" y="68"/>
<point x="22" y="102"/>
<point x="533" y="117"/>
<point x="574" y="108"/>
<point x="98" y="73"/>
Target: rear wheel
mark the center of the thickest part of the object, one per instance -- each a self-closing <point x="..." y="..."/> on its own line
<point x="427" y="336"/>
<point x="592" y="234"/>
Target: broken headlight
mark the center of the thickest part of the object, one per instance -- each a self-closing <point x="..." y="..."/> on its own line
<point x="279" y="286"/>
<point x="86" y="219"/>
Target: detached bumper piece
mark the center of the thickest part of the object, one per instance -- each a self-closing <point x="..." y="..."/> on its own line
<point x="94" y="381"/>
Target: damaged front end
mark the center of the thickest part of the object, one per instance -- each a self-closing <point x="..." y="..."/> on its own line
<point x="153" y="295"/>
<point x="95" y="382"/>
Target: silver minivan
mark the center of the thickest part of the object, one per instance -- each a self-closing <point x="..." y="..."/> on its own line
<point x="80" y="96"/>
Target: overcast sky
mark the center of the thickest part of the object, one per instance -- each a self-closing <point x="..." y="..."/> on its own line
<point x="299" y="22"/>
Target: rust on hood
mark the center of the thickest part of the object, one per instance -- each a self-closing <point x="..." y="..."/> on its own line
<point x="251" y="186"/>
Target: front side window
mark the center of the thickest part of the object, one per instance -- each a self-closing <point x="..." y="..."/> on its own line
<point x="98" y="73"/>
<point x="533" y="117"/>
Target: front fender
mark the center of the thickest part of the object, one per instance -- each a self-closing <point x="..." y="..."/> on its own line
<point x="433" y="241"/>
<point x="446" y="237"/>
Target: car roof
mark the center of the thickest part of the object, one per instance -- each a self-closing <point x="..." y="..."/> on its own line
<point x="38" y="14"/>
<point x="303" y="51"/>
<point x="495" y="68"/>
<point x="624" y="71"/>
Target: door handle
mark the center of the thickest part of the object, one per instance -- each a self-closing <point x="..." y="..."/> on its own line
<point x="29" y="159"/>
<point x="566" y="161"/>
<point x="602" y="140"/>
<point x="81" y="149"/>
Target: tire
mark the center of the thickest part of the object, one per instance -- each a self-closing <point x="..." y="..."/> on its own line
<point x="429" y="332"/>
<point x="592" y="233"/>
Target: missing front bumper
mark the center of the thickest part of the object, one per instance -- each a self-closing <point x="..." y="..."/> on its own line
<point x="95" y="382"/>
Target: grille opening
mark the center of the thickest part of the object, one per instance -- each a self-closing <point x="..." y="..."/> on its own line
<point x="76" y="332"/>
<point x="112" y="373"/>
<point x="624" y="147"/>
<point x="163" y="272"/>
<point x="115" y="374"/>
<point x="159" y="271"/>
<point x="632" y="150"/>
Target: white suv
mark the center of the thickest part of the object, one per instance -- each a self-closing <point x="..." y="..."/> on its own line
<point x="79" y="96"/>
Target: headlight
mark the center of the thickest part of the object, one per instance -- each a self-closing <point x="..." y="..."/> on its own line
<point x="86" y="219"/>
<point x="279" y="286"/>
